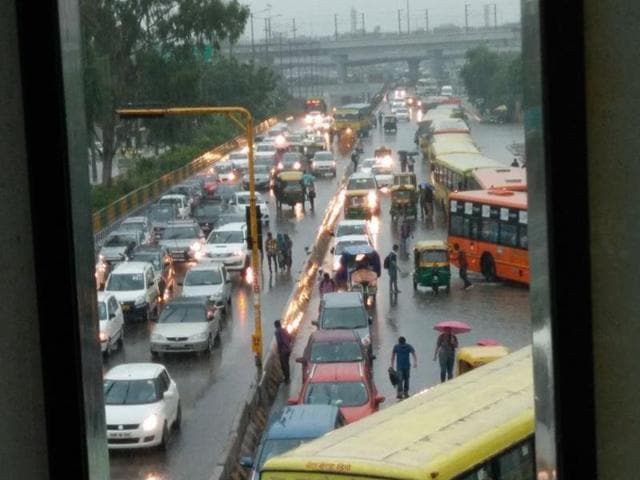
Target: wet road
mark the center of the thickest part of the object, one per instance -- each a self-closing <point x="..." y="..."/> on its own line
<point x="494" y="310"/>
<point x="212" y="388"/>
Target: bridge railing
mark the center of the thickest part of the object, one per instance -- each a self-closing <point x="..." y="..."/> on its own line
<point x="106" y="219"/>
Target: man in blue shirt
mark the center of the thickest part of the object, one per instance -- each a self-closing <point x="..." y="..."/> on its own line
<point x="401" y="352"/>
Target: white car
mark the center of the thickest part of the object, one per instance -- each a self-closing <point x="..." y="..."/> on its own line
<point x="323" y="163"/>
<point x="186" y="324"/>
<point x="241" y="200"/>
<point x="139" y="224"/>
<point x="366" y="165"/>
<point x="183" y="239"/>
<point x="264" y="151"/>
<point x="142" y="406"/>
<point x="111" y="323"/>
<point x="240" y="161"/>
<point x="135" y="286"/>
<point x="180" y="200"/>
<point x="228" y="245"/>
<point x="211" y="280"/>
<point x="347" y="241"/>
<point x="383" y="175"/>
<point x="403" y="114"/>
<point x="227" y="172"/>
<point x="353" y="227"/>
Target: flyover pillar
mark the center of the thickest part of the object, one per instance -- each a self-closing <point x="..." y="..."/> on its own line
<point x="341" y="67"/>
<point x="414" y="72"/>
<point x="437" y="65"/>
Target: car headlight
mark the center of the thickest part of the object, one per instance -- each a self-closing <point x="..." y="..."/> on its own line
<point x="297" y="166"/>
<point x="196" y="246"/>
<point x="280" y="166"/>
<point x="336" y="263"/>
<point x="140" y="300"/>
<point x="313" y="164"/>
<point x="156" y="337"/>
<point x="333" y="163"/>
<point x="373" y="199"/>
<point x="150" y="423"/>
<point x="103" y="336"/>
<point x="101" y="257"/>
<point x="232" y="176"/>
<point x="237" y="253"/>
<point x="199" y="337"/>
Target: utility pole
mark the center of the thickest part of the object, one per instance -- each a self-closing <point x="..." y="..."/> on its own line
<point x="466" y="17"/>
<point x="426" y="18"/>
<point x="362" y="18"/>
<point x="399" y="22"/>
<point x="253" y="46"/>
<point x="266" y="37"/>
<point x="335" y="23"/>
<point x="495" y="16"/>
<point x="294" y="29"/>
<point x="408" y="20"/>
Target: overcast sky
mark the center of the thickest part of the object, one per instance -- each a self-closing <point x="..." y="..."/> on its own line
<point x="316" y="17"/>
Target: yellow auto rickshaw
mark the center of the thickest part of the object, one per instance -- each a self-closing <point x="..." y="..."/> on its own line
<point x="404" y="202"/>
<point x="468" y="358"/>
<point x="432" y="266"/>
<point x="289" y="189"/>
<point x="358" y="205"/>
<point x="405" y="179"/>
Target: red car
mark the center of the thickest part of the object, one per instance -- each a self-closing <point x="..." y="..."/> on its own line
<point x="210" y="183"/>
<point x="346" y="385"/>
<point x="334" y="346"/>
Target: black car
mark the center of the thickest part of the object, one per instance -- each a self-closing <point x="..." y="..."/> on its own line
<point x="160" y="215"/>
<point x="225" y="191"/>
<point x="208" y="213"/>
<point x="162" y="265"/>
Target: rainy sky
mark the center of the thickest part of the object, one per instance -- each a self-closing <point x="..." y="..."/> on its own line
<point x="317" y="17"/>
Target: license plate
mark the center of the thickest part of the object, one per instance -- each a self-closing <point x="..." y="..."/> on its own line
<point x="120" y="435"/>
<point x="177" y="346"/>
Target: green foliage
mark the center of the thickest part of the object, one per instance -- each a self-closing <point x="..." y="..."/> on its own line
<point x="492" y="79"/>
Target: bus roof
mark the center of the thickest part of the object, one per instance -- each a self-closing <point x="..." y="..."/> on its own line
<point x="497" y="197"/>
<point x="504" y="177"/>
<point x="448" y="143"/>
<point x="463" y="162"/>
<point x="437" y="433"/>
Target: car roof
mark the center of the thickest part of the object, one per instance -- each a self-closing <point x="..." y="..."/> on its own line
<point x="360" y="175"/>
<point x="130" y="267"/>
<point x="206" y="265"/>
<point x="232" y="226"/>
<point x="352" y="222"/>
<point x="302" y="421"/>
<point x="149" y="249"/>
<point x="170" y="196"/>
<point x="342" y="299"/>
<point x="352" y="238"/>
<point x="336" y="372"/>
<point x="127" y="233"/>
<point x="134" y="371"/>
<point x="327" y="336"/>
<point x="135" y="219"/>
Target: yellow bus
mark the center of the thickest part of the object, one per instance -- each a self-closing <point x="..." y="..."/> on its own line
<point x="447" y="143"/>
<point x="478" y="426"/>
<point x="353" y="119"/>
<point x="454" y="172"/>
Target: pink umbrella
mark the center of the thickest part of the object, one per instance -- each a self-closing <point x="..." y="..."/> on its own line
<point x="456" y="326"/>
<point x="488" y="342"/>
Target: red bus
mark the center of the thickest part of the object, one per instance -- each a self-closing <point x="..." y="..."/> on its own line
<point x="491" y="228"/>
<point x="311" y="104"/>
<point x="509" y="178"/>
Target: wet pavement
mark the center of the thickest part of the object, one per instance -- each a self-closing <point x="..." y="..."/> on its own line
<point x="213" y="388"/>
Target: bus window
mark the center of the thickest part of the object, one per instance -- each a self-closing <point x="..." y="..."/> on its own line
<point x="456" y="226"/>
<point x="523" y="240"/>
<point x="489" y="230"/>
<point x="508" y="235"/>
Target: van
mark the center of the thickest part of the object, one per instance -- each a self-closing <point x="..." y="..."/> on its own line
<point x="446" y="91"/>
<point x="288" y="428"/>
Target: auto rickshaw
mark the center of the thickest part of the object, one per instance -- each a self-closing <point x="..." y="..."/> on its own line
<point x="390" y="124"/>
<point x="360" y="269"/>
<point x="408" y="178"/>
<point x="432" y="266"/>
<point x="382" y="152"/>
<point x="404" y="202"/>
<point x="469" y="358"/>
<point x="289" y="189"/>
<point x="357" y="205"/>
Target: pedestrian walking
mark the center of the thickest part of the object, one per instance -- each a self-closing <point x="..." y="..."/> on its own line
<point x="354" y="160"/>
<point x="391" y="264"/>
<point x="281" y="250"/>
<point x="283" y="342"/>
<point x="327" y="284"/>
<point x="401" y="352"/>
<point x="446" y="353"/>
<point x="405" y="232"/>
<point x="288" y="251"/>
<point x="380" y="118"/>
<point x="515" y="163"/>
<point x="462" y="266"/>
<point x="427" y="202"/>
<point x="272" y="251"/>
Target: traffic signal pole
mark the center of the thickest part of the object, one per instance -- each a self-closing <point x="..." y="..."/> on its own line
<point x="246" y="124"/>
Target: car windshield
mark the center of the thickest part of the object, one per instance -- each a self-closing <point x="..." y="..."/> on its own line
<point x="272" y="448"/>
<point x="132" y="226"/>
<point x="153" y="258"/>
<point x="226" y="236"/>
<point x="324" y="156"/>
<point x="261" y="169"/>
<point x="175" y="233"/>
<point x="351" y="230"/>
<point x="340" y="394"/>
<point x="102" y="311"/>
<point x="202" y="277"/>
<point x="434" y="256"/>
<point x="361" y="184"/>
<point x="328" y="352"/>
<point x="183" y="314"/>
<point x="122" y="282"/>
<point x="162" y="214"/>
<point x="351" y="243"/>
<point x="130" y="392"/>
<point x="344" y="318"/>
<point x="266" y="147"/>
<point x="119" y="240"/>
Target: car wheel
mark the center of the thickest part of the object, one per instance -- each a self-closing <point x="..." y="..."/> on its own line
<point x="107" y="352"/>
<point x="178" y="421"/>
<point x="164" y="443"/>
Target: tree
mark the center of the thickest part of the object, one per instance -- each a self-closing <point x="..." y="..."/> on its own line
<point x="139" y="48"/>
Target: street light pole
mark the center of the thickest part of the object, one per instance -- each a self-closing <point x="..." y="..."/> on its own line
<point x="426" y="17"/>
<point x="399" y="22"/>
<point x="408" y="20"/>
<point x="466" y="17"/>
<point x="232" y="113"/>
<point x="253" y="45"/>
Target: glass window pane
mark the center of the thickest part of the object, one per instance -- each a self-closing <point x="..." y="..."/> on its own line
<point x="489" y="231"/>
<point x="508" y="235"/>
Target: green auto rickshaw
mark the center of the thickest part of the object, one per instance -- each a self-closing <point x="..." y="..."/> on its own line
<point x="432" y="265"/>
<point x="289" y="189"/>
<point x="404" y="202"/>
